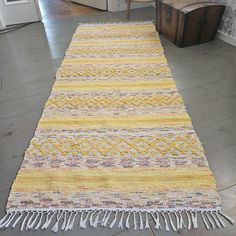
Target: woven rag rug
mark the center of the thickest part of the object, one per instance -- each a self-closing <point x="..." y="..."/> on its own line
<point x="115" y="145"/>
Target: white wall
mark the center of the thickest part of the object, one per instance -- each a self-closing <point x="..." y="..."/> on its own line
<point x="227" y="30"/>
<point x="228" y="23"/>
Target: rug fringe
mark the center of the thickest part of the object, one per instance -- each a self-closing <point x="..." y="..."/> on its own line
<point x="164" y="219"/>
<point x="115" y="23"/>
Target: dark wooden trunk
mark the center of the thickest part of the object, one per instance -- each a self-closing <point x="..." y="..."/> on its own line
<point x="188" y="22"/>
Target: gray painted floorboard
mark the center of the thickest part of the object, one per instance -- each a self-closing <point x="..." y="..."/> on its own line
<point x="205" y="75"/>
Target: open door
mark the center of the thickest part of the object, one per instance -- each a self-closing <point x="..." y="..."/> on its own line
<point x="19" y="11"/>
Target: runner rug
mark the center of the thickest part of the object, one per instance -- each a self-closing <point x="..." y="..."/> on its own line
<point x="115" y="146"/>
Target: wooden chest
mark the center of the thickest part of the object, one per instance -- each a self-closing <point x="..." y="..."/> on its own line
<point x="188" y="22"/>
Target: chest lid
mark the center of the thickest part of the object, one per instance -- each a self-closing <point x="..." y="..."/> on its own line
<point x="186" y="6"/>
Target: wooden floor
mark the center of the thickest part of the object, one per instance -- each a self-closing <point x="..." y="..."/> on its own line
<point x="57" y="9"/>
<point x="205" y="76"/>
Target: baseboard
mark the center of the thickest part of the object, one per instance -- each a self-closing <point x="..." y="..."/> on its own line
<point x="226" y="38"/>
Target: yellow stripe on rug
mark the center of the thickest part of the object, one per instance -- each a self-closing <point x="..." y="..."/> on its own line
<point x="104" y="85"/>
<point x="112" y="122"/>
<point x="113" y="179"/>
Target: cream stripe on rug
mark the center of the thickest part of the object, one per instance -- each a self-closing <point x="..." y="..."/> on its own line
<point x="115" y="144"/>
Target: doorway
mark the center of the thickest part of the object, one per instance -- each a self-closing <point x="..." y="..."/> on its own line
<point x="57" y="9"/>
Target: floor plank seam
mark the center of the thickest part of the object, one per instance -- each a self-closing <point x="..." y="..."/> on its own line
<point x="200" y="85"/>
<point x="26" y="112"/>
<point x="1" y="83"/>
<point x="152" y="230"/>
<point x="116" y="234"/>
<point x="10" y="158"/>
<point x="225" y="188"/>
<point x="19" y="98"/>
<point x="217" y="121"/>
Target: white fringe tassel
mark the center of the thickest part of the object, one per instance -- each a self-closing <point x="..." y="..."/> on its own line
<point x="65" y="219"/>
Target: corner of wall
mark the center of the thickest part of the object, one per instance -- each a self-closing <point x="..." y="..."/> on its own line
<point x="2" y="22"/>
<point x="226" y="38"/>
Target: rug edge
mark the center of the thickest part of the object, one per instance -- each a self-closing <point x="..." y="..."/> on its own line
<point x="116" y="23"/>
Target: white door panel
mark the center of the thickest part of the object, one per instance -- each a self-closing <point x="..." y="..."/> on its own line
<point x="100" y="4"/>
<point x="19" y="11"/>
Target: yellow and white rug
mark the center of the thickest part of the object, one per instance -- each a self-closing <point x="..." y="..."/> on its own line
<point x="114" y="137"/>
